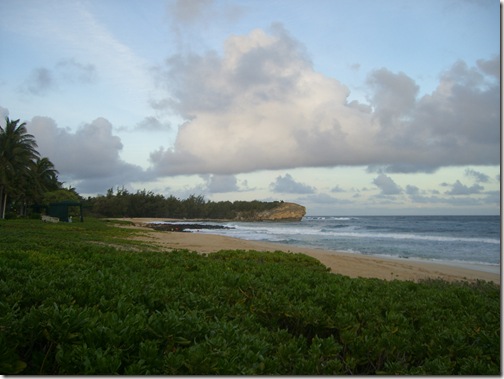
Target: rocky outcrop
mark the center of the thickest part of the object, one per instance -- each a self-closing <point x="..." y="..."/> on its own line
<point x="283" y="212"/>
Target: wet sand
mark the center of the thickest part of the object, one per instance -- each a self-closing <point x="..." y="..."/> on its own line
<point x="353" y="265"/>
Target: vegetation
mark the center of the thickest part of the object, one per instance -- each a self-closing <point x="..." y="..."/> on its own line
<point x="25" y="177"/>
<point x="81" y="298"/>
<point x="147" y="204"/>
<point x="29" y="183"/>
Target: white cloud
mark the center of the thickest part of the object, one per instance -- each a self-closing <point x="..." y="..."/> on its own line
<point x="261" y="105"/>
<point x="152" y="124"/>
<point x="287" y="184"/>
<point x="479" y="176"/>
<point x="88" y="156"/>
<point x="460" y="189"/>
<point x="412" y="190"/>
<point x="71" y="30"/>
<point x="67" y="71"/>
<point x="491" y="67"/>
<point x="193" y="20"/>
<point x="4" y="112"/>
<point x="221" y="183"/>
<point x="386" y="185"/>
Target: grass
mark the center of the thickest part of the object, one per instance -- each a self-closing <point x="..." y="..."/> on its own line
<point x="82" y="298"/>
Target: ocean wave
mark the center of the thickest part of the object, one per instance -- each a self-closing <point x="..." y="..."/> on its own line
<point x="275" y="230"/>
<point x="352" y="231"/>
<point x="331" y="218"/>
<point x="336" y="228"/>
<point x="470" y="240"/>
<point x="407" y="236"/>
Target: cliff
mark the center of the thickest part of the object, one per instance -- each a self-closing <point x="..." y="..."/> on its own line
<point x="283" y="212"/>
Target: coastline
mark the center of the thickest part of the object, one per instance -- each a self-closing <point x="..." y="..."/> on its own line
<point x="344" y="263"/>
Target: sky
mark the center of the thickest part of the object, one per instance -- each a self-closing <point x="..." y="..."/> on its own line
<point x="370" y="107"/>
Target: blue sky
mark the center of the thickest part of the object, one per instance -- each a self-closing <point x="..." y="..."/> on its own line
<point x="347" y="107"/>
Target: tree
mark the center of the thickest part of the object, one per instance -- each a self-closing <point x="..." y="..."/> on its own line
<point x="195" y="206"/>
<point x="45" y="175"/>
<point x="43" y="178"/>
<point x="17" y="154"/>
<point x="62" y="194"/>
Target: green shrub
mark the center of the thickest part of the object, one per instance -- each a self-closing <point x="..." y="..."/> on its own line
<point x="69" y="305"/>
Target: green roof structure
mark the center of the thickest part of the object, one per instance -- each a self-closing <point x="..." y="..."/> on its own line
<point x="61" y="210"/>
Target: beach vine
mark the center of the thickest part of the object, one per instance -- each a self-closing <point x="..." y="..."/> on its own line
<point x="69" y="306"/>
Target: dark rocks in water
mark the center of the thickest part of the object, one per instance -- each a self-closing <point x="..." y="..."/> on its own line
<point x="172" y="227"/>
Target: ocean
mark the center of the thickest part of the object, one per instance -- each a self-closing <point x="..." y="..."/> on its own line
<point x="456" y="240"/>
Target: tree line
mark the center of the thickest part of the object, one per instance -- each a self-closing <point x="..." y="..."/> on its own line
<point x="29" y="183"/>
<point x="123" y="203"/>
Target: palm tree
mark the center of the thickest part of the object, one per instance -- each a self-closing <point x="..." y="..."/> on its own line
<point x="17" y="152"/>
<point x="42" y="178"/>
<point x="45" y="175"/>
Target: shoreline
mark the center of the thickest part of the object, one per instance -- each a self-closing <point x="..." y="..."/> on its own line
<point x="344" y="263"/>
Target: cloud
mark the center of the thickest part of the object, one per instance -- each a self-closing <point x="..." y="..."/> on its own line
<point x="404" y="168"/>
<point x="152" y="124"/>
<point x="412" y="190"/>
<point x="40" y="81"/>
<point x="287" y="184"/>
<point x="221" y="183"/>
<point x="261" y="105"/>
<point x="393" y="98"/>
<point x="4" y="112"/>
<point x="479" y="176"/>
<point x="89" y="156"/>
<point x="490" y="67"/>
<point x="191" y="12"/>
<point x="355" y="66"/>
<point x="147" y="124"/>
<point x="72" y="26"/>
<point x="337" y="189"/>
<point x="188" y="11"/>
<point x="75" y="71"/>
<point x="460" y="189"/>
<point x="67" y="71"/>
<point x="323" y="198"/>
<point x="191" y="20"/>
<point x="386" y="185"/>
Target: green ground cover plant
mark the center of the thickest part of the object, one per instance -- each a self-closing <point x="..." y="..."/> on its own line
<point x="81" y="298"/>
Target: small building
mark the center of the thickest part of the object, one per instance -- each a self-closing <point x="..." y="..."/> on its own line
<point x="61" y="210"/>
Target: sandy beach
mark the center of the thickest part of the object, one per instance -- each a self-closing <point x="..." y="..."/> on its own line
<point x="353" y="265"/>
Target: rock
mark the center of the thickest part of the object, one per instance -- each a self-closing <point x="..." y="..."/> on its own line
<point x="178" y="227"/>
<point x="283" y="212"/>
